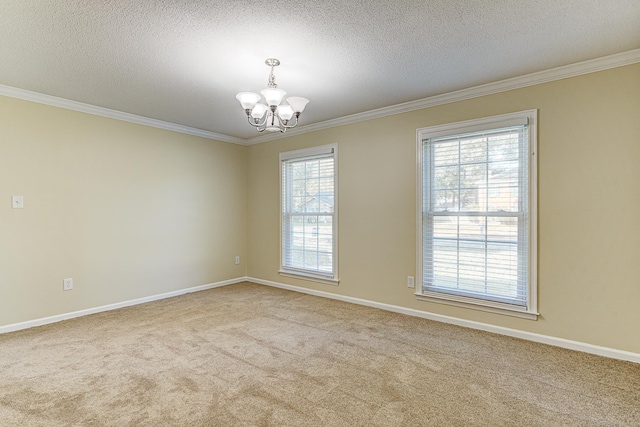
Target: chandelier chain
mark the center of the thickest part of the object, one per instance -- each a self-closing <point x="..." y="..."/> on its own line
<point x="272" y="62"/>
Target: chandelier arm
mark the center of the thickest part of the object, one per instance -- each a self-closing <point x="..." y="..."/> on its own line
<point x="293" y="125"/>
<point x="257" y="125"/>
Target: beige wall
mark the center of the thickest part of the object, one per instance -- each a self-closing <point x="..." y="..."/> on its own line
<point x="130" y="211"/>
<point x="126" y="210"/>
<point x="589" y="206"/>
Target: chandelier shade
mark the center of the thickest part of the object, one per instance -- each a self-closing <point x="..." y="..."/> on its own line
<point x="297" y="103"/>
<point x="274" y="116"/>
<point x="248" y="99"/>
<point x="273" y="96"/>
<point x="258" y="111"/>
<point x="285" y="112"/>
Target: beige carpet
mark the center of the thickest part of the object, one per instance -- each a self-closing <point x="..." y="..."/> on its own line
<point x="251" y="355"/>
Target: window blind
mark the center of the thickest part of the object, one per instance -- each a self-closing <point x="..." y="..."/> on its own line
<point x="476" y="214"/>
<point x="308" y="212"/>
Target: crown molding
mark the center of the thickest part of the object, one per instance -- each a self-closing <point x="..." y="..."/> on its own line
<point x="68" y="104"/>
<point x="559" y="73"/>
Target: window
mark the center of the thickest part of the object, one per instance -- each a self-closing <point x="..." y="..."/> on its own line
<point x="308" y="213"/>
<point x="477" y="214"/>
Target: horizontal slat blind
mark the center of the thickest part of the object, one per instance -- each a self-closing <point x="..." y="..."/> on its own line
<point x="308" y="209"/>
<point x="475" y="214"/>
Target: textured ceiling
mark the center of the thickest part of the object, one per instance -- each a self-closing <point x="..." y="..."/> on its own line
<point x="183" y="61"/>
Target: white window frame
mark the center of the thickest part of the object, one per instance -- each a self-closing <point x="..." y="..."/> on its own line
<point x="300" y="273"/>
<point x="494" y="122"/>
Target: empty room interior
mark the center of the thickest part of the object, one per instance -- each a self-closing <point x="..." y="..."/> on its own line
<point x="437" y="224"/>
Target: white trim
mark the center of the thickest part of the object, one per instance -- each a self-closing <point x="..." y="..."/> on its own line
<point x="515" y="333"/>
<point x="504" y="120"/>
<point x="558" y="73"/>
<point x="546" y="76"/>
<point x="68" y="104"/>
<point x="529" y="336"/>
<point x="309" y="277"/>
<point x="301" y="154"/>
<point x="320" y="150"/>
<point x="533" y="211"/>
<point x="474" y="304"/>
<point x="65" y="316"/>
<point x="520" y="118"/>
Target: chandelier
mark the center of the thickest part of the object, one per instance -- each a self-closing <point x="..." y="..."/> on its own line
<point x="278" y="116"/>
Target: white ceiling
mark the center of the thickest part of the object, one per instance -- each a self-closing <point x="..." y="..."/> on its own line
<point x="183" y="61"/>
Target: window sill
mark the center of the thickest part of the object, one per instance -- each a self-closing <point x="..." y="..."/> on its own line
<point x="310" y="277"/>
<point x="488" y="306"/>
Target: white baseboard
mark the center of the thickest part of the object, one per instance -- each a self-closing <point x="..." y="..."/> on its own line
<point x="530" y="336"/>
<point x="65" y="316"/>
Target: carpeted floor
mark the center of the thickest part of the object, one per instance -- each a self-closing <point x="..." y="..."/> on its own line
<point x="250" y="355"/>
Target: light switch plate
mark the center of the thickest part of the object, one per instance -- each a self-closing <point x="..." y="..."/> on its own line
<point x="17" y="202"/>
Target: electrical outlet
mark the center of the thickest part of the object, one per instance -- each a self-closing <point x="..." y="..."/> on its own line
<point x="411" y="283"/>
<point x="237" y="260"/>
<point x="67" y="284"/>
